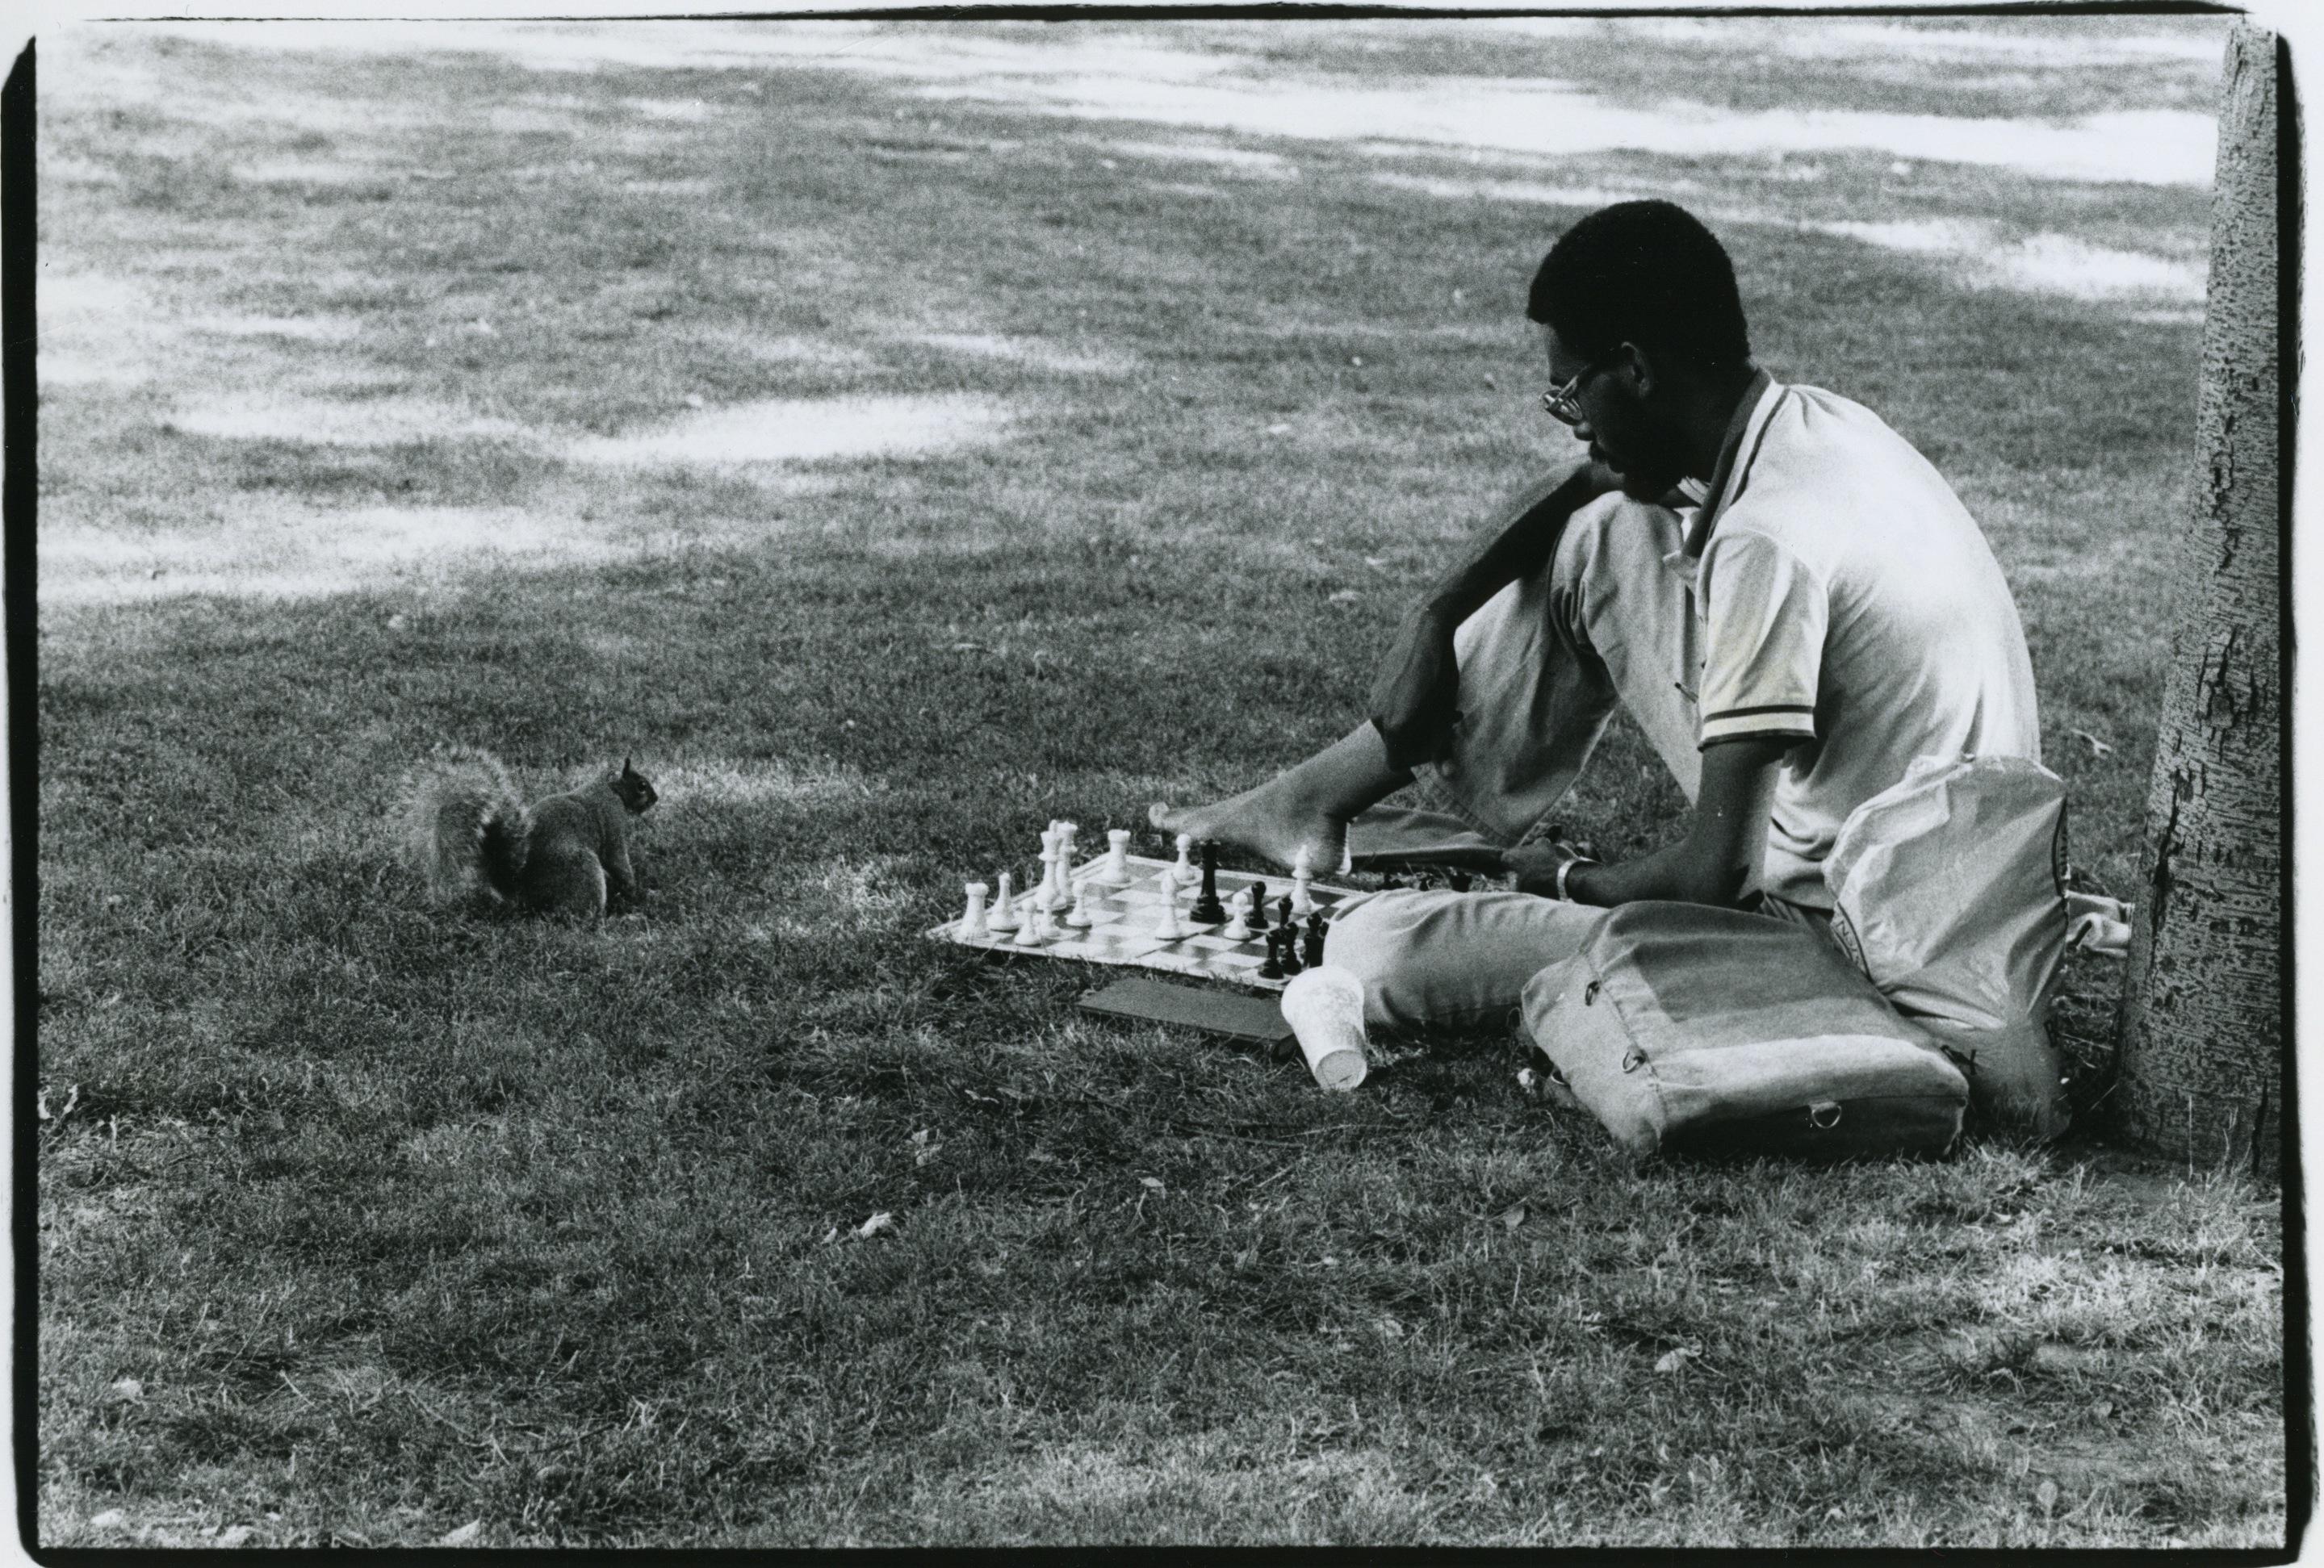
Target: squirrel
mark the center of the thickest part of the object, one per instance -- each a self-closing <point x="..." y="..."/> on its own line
<point x="465" y="828"/>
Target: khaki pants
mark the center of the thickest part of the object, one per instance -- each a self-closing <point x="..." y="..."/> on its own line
<point x="1542" y="664"/>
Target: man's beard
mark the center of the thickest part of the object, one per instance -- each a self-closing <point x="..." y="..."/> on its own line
<point x="1647" y="480"/>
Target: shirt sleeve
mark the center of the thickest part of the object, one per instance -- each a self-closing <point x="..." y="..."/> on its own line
<point x="1764" y="613"/>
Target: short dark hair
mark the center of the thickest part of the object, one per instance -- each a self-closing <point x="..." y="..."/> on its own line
<point x="1645" y="272"/>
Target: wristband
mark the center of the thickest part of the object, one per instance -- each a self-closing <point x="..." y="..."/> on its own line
<point x="1566" y="869"/>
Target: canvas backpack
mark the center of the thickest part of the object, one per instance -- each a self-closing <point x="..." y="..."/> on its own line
<point x="1949" y="891"/>
<point x="1686" y="1029"/>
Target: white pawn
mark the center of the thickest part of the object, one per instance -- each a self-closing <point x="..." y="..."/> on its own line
<point x="1028" y="934"/>
<point x="1238" y="929"/>
<point x="1168" y="928"/>
<point x="1184" y="871"/>
<point x="972" y="924"/>
<point x="1079" y="917"/>
<point x="1003" y="917"/>
<point x="1117" y="858"/>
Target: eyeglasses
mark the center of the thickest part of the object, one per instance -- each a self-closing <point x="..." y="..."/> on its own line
<point x="1562" y="402"/>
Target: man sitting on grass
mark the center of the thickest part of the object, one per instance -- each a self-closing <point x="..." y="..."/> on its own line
<point x="1781" y="591"/>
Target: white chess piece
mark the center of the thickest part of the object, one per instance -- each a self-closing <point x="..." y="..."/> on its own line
<point x="1184" y="869"/>
<point x="972" y="924"/>
<point x="1029" y="911"/>
<point x="1003" y="917"/>
<point x="1167" y="926"/>
<point x="1238" y="929"/>
<point x="1303" y="874"/>
<point x="1117" y="858"/>
<point x="1079" y="917"/>
<point x="1068" y="849"/>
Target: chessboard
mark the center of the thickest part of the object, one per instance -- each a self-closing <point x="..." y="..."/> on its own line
<point x="1122" y="919"/>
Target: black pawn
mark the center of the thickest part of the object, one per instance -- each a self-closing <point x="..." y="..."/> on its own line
<point x="1283" y="910"/>
<point x="1208" y="909"/>
<point x="1258" y="900"/>
<point x="1312" y="953"/>
<point x="1273" y="968"/>
<point x="1291" y="964"/>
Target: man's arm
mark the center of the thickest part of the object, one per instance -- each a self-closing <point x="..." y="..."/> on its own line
<point x="1718" y="861"/>
<point x="1414" y="700"/>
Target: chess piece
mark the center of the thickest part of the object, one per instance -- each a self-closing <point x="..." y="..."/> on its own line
<point x="1033" y="916"/>
<point x="1303" y="876"/>
<point x="1069" y="846"/>
<point x="1184" y="871"/>
<point x="1311" y="955"/>
<point x="1291" y="962"/>
<point x="1004" y="919"/>
<point x="1208" y="909"/>
<point x="1325" y="1009"/>
<point x="1079" y="917"/>
<point x="1283" y="909"/>
<point x="1239" y="929"/>
<point x="972" y="924"/>
<point x="1046" y="896"/>
<point x="1167" y="926"/>
<point x="1257" y="901"/>
<point x="1117" y="858"/>
<point x="1273" y="968"/>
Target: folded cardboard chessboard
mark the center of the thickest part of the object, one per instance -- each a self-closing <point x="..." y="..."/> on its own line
<point x="1123" y="917"/>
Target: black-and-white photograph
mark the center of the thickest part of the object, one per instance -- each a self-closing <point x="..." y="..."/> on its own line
<point x="1051" y="780"/>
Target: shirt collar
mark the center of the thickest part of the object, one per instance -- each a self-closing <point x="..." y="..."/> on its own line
<point x="1752" y="410"/>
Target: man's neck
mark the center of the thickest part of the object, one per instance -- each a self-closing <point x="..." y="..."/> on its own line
<point x="1711" y="423"/>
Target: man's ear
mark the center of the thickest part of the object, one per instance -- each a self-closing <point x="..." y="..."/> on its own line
<point x="1643" y="380"/>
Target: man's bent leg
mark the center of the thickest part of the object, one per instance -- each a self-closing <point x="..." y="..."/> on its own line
<point x="1447" y="960"/>
<point x="1543" y="664"/>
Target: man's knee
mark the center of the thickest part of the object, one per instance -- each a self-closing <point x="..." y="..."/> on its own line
<point x="1612" y="537"/>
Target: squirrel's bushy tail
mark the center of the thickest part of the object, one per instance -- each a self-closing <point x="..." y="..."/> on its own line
<point x="463" y="826"/>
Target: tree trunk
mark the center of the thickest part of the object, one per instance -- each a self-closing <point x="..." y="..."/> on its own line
<point x="2202" y="1066"/>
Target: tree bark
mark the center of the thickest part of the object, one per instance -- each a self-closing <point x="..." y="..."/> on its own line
<point x="2201" y="1070"/>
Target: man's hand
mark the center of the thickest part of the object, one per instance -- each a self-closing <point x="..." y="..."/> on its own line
<point x="1535" y="866"/>
<point x="1716" y="863"/>
<point x="1416" y="701"/>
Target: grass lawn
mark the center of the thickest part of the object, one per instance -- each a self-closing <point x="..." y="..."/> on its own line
<point x="892" y="458"/>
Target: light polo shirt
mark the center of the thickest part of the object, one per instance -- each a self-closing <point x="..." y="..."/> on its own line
<point x="1846" y="599"/>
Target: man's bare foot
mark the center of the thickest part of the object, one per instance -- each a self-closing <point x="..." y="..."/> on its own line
<point x="1308" y="808"/>
<point x="1274" y="820"/>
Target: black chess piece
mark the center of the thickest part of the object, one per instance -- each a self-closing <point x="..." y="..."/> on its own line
<point x="1312" y="948"/>
<point x="1259" y="902"/>
<point x="1208" y="909"/>
<point x="1283" y="909"/>
<point x="1291" y="962"/>
<point x="1273" y="968"/>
